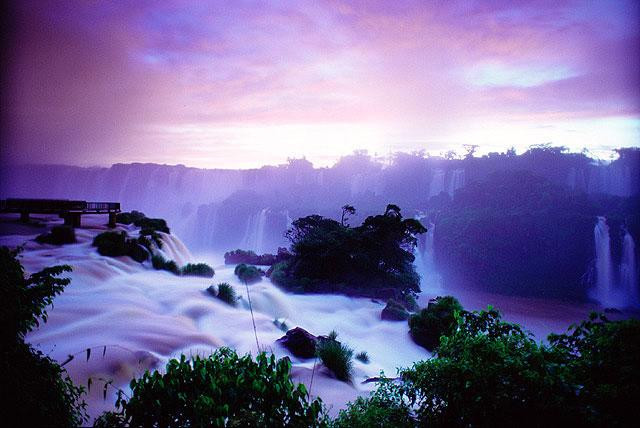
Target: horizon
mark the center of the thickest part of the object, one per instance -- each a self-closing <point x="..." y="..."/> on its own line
<point x="601" y="158"/>
<point x="245" y="85"/>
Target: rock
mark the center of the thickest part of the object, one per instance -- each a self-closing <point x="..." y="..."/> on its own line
<point x="59" y="235"/>
<point x="300" y="342"/>
<point x="394" y="311"/>
<point x="251" y="258"/>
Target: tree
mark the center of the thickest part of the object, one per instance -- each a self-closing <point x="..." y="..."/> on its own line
<point x="37" y="390"/>
<point x="346" y="210"/>
<point x="471" y="149"/>
<point x="331" y="256"/>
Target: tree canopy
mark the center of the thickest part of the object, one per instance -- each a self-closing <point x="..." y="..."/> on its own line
<point x="331" y="256"/>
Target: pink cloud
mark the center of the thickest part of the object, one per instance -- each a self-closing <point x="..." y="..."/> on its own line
<point x="93" y="82"/>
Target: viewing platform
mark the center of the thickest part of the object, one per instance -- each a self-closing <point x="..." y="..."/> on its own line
<point x="70" y="210"/>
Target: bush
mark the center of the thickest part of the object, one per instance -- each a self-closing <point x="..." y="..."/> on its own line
<point x="386" y="407"/>
<point x="603" y="359"/>
<point x="220" y="390"/>
<point x="153" y="224"/>
<point x="490" y="373"/>
<point x="336" y="357"/>
<point x="59" y="235"/>
<point x="251" y="258"/>
<point x="111" y="244"/>
<point x="374" y="259"/>
<point x="129" y="217"/>
<point x="363" y="357"/>
<point x="434" y="321"/>
<point x="36" y="390"/>
<point x="116" y="244"/>
<point x="198" y="269"/>
<point x="151" y="236"/>
<point x="278" y="275"/>
<point x="136" y="250"/>
<point x="247" y="273"/>
<point x="410" y="302"/>
<point x="226" y="293"/>
<point x="140" y="220"/>
<point x="159" y="263"/>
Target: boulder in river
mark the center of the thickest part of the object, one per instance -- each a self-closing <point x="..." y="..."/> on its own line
<point x="300" y="342"/>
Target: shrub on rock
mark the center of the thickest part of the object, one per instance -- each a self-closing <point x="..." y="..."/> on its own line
<point x="336" y="356"/>
<point x="436" y="320"/>
<point x="59" y="235"/>
<point x="224" y="292"/>
<point x="198" y="269"/>
<point x="248" y="274"/>
<point x="111" y="244"/>
<point x="116" y="244"/>
<point x="142" y="221"/>
<point x="160" y="263"/>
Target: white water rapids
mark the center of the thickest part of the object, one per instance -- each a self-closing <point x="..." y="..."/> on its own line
<point x="145" y="317"/>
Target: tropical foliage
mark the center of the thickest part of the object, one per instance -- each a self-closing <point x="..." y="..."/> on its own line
<point x="197" y="269"/>
<point x="221" y="390"/>
<point x="247" y="273"/>
<point x="373" y="258"/>
<point x="36" y="390"/>
<point x="437" y="319"/>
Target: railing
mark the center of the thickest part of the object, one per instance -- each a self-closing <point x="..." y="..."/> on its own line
<point x="55" y="205"/>
<point x="103" y="206"/>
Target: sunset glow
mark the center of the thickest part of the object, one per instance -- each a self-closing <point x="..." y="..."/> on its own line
<point x="243" y="84"/>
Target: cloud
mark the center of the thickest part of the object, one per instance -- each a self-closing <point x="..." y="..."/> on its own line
<point x="102" y="82"/>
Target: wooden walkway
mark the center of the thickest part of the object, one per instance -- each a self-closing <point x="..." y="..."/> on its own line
<point x="69" y="210"/>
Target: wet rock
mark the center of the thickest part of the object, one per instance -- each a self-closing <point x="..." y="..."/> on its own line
<point x="394" y="311"/>
<point x="300" y="342"/>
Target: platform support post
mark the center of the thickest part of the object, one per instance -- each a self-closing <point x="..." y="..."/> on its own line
<point x="112" y="220"/>
<point x="72" y="219"/>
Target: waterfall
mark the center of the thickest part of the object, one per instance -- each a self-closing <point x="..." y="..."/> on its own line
<point x="456" y="181"/>
<point x="629" y="270"/>
<point x="174" y="249"/>
<point x="603" y="261"/>
<point x="254" y="233"/>
<point x="262" y="221"/>
<point x="437" y="183"/>
<point x="430" y="280"/>
<point x="615" y="287"/>
<point x="289" y="219"/>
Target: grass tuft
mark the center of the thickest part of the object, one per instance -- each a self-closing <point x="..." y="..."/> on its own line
<point x="336" y="357"/>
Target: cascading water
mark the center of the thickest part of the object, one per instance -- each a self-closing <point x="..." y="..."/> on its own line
<point x="629" y="270"/>
<point x="615" y="287"/>
<point x="456" y="181"/>
<point x="437" y="183"/>
<point x="603" y="261"/>
<point x="174" y="249"/>
<point x="254" y="236"/>
<point x="288" y="219"/>
<point x="430" y="280"/>
<point x="262" y="221"/>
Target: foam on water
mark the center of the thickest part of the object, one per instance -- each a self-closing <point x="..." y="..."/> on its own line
<point x="145" y="317"/>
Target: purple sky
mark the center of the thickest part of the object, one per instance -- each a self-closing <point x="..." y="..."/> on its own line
<point x="242" y="84"/>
